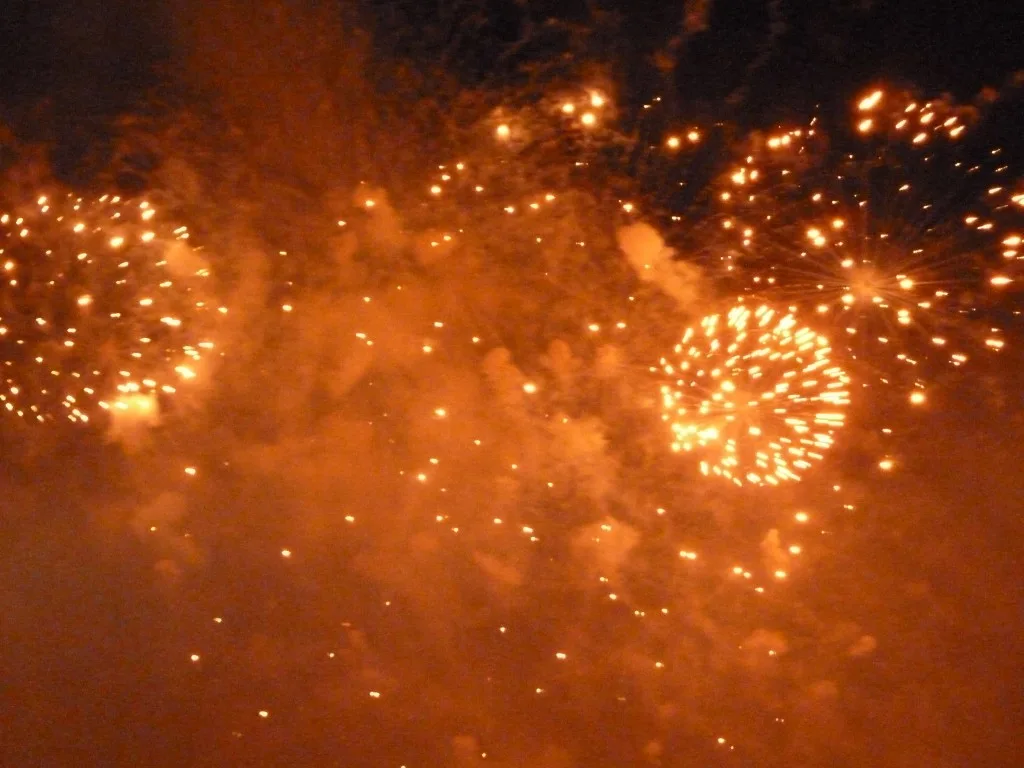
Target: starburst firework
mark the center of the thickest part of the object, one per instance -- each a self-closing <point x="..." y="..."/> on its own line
<point x="896" y="244"/>
<point x="755" y="393"/>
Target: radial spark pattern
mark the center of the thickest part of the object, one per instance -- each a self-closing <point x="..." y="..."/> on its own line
<point x="896" y="244"/>
<point x="100" y="309"/>
<point x="757" y="395"/>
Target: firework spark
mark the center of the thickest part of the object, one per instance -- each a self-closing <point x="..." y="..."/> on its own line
<point x="874" y="241"/>
<point x="755" y="393"/>
<point x="101" y="309"/>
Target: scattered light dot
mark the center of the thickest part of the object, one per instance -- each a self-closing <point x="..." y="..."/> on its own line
<point x="870" y="102"/>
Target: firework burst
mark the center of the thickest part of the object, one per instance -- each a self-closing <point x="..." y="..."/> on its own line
<point x="755" y="393"/>
<point x="102" y="310"/>
<point x="895" y="245"/>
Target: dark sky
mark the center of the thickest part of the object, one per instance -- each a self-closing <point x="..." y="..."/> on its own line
<point x="98" y="54"/>
<point x="937" y="45"/>
<point x="93" y="55"/>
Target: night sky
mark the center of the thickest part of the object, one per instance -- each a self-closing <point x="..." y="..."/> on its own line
<point x="96" y="57"/>
<point x="398" y="490"/>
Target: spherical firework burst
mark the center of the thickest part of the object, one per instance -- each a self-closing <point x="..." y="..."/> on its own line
<point x="102" y="310"/>
<point x="756" y="394"/>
